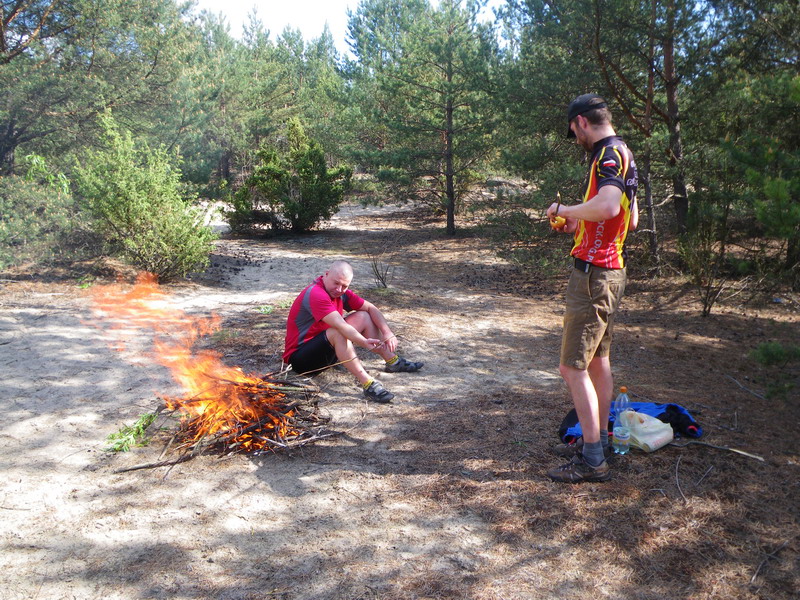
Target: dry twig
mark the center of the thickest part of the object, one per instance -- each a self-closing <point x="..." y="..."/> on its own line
<point x="742" y="452"/>
<point x="153" y="465"/>
<point x="773" y="554"/>
<point x="677" y="479"/>
<point x="699" y="481"/>
<point x="757" y="395"/>
<point x="168" y="445"/>
<point x="726" y="427"/>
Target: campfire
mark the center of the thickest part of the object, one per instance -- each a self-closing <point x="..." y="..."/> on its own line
<point x="222" y="410"/>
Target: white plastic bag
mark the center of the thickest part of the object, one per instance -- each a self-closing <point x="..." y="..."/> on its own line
<point x="648" y="433"/>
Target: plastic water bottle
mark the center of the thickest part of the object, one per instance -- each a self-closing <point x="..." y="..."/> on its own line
<point x="622" y="403"/>
<point x="622" y="439"/>
<point x="622" y="432"/>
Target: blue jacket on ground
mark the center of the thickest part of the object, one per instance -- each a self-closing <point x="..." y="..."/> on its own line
<point x="683" y="424"/>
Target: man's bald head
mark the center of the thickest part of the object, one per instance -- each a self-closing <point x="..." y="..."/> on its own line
<point x="341" y="267"/>
<point x="337" y="278"/>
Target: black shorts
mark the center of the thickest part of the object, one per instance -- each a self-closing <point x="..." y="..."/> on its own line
<point x="314" y="356"/>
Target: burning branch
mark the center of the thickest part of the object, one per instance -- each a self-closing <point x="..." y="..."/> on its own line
<point x="264" y="420"/>
<point x="223" y="410"/>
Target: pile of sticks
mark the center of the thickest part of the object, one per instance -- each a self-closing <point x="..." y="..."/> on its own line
<point x="281" y="418"/>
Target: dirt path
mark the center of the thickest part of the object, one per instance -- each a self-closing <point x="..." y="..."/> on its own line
<point x="439" y="495"/>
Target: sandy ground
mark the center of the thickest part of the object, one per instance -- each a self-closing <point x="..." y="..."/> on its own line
<point x="438" y="495"/>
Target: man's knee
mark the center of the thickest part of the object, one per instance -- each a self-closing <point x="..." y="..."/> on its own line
<point x="568" y="372"/>
<point x="360" y="320"/>
<point x="599" y="364"/>
<point x="337" y="340"/>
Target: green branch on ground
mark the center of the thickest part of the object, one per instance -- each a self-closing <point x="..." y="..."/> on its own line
<point x="131" y="435"/>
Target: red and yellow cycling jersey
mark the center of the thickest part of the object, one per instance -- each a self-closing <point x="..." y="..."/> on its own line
<point x="602" y="243"/>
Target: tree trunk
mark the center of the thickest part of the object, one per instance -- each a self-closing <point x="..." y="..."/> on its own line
<point x="793" y="260"/>
<point x="224" y="166"/>
<point x="651" y="213"/>
<point x="6" y="160"/>
<point x="449" y="174"/>
<point x="647" y="154"/>
<point x="8" y="146"/>
<point x="679" y="191"/>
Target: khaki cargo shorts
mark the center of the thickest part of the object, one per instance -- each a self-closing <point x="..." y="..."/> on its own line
<point x="592" y="301"/>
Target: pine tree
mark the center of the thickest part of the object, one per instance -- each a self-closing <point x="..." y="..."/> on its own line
<point x="431" y="111"/>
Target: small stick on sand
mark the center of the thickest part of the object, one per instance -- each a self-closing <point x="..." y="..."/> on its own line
<point x="772" y="554"/>
<point x="677" y="479"/>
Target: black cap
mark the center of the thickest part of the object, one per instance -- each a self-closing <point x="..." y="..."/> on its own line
<point x="580" y="105"/>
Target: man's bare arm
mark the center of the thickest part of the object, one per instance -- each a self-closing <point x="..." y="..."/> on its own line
<point x="337" y="322"/>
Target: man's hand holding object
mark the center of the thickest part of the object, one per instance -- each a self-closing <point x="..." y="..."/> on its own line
<point x="557" y="222"/>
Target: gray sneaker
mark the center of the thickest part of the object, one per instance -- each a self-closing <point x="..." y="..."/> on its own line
<point x="404" y="366"/>
<point x="377" y="393"/>
<point x="578" y="470"/>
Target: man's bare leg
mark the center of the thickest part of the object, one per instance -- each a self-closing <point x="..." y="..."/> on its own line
<point x="584" y="397"/>
<point x="590" y="464"/>
<point x="346" y="354"/>
<point x="603" y="382"/>
<point x="361" y="321"/>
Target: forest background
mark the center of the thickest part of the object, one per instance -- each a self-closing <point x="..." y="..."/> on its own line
<point x="123" y="123"/>
<point x="121" y="119"/>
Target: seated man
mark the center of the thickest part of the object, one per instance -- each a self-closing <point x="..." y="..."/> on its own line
<point x="319" y="336"/>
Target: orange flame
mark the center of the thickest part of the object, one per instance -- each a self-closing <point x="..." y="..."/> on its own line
<point x="218" y="398"/>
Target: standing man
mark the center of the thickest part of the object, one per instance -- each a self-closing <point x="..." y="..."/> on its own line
<point x="597" y="282"/>
<point x="318" y="335"/>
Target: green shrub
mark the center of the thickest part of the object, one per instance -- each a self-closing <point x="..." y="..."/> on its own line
<point x="134" y="195"/>
<point x="704" y="247"/>
<point x="292" y="187"/>
<point x="778" y="357"/>
<point x="774" y="354"/>
<point x="34" y="218"/>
